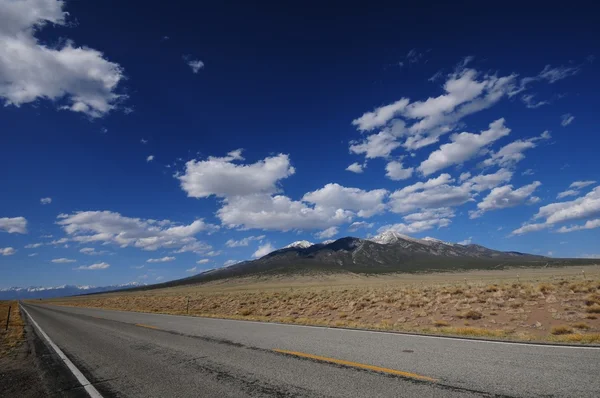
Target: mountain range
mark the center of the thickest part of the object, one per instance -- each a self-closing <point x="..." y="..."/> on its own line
<point x="35" y="292"/>
<point x="387" y="252"/>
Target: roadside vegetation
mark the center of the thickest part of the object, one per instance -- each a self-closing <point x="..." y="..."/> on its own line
<point x="12" y="338"/>
<point x="560" y="308"/>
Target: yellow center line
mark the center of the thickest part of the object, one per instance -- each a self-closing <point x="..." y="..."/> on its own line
<point x="145" y="326"/>
<point x="356" y="365"/>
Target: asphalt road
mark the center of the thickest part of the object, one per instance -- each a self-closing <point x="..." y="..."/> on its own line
<point x="151" y="355"/>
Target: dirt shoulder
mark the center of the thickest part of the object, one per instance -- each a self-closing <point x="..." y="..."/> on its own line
<point x="560" y="305"/>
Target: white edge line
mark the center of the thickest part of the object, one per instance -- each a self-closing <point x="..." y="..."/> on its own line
<point x="466" y="339"/>
<point x="89" y="388"/>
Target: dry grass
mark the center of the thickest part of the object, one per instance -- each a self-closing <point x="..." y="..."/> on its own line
<point x="502" y="307"/>
<point x="561" y="329"/>
<point x="581" y="325"/>
<point x="10" y="339"/>
<point x="590" y="338"/>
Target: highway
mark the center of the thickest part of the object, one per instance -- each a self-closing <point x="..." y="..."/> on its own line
<point x="129" y="354"/>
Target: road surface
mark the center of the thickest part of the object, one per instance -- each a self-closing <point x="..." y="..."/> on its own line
<point x="132" y="354"/>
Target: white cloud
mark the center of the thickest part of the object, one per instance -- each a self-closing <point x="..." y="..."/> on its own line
<point x="380" y="116"/>
<point x="512" y="153"/>
<point x="432" y="194"/>
<point x="278" y="213"/>
<point x="581" y="184"/>
<point x="378" y="145"/>
<point x="584" y="207"/>
<point x="530" y="103"/>
<point x="63" y="260"/>
<point x="431" y="214"/>
<point x="526" y="228"/>
<point x="194" y="64"/>
<point x="90" y="251"/>
<point x="33" y="245"/>
<point x="528" y="172"/>
<point x="467" y="241"/>
<point x="7" y="251"/>
<point x="146" y="234"/>
<point x="504" y="197"/>
<point x="230" y="262"/>
<point x="150" y="158"/>
<point x="327" y="233"/>
<point x="483" y="182"/>
<point x="463" y="147"/>
<point x="355" y="226"/>
<point x="165" y="259"/>
<point x="566" y="119"/>
<point x="138" y="266"/>
<point x="415" y="227"/>
<point x="355" y="168"/>
<point x="213" y="253"/>
<point x="558" y="73"/>
<point x="46" y="201"/>
<point x="263" y="250"/>
<point x="396" y="171"/>
<point x="15" y="225"/>
<point x="193" y="269"/>
<point x="79" y="77"/>
<point x="223" y="178"/>
<point x="569" y="192"/>
<point x="92" y="267"/>
<point x="591" y="224"/>
<point x="32" y="254"/>
<point x="203" y="261"/>
<point x="336" y="197"/>
<point x="144" y="141"/>
<point x="160" y="278"/>
<point x="243" y="242"/>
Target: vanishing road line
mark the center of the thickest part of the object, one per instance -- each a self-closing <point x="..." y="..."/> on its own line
<point x="357" y="365"/>
<point x="85" y="383"/>
<point x="146" y="326"/>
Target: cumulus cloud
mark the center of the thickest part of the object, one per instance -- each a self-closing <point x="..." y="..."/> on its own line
<point x="512" y="153"/>
<point x="581" y="184"/>
<point x="531" y="103"/>
<point x="327" y="233"/>
<point x="554" y="74"/>
<point x="146" y="234"/>
<point x="355" y="168"/>
<point x="203" y="261"/>
<point x="335" y="197"/>
<point x="396" y="171"/>
<point x="93" y="267"/>
<point x="434" y="193"/>
<point x="467" y="241"/>
<point x="568" y="192"/>
<point x="193" y="269"/>
<point x="63" y="260"/>
<point x="463" y="147"/>
<point x="591" y="224"/>
<point x="46" y="201"/>
<point x="415" y="227"/>
<point x="165" y="259"/>
<point x="504" y="197"/>
<point x="79" y="78"/>
<point x="90" y="251"/>
<point x="150" y="158"/>
<point x="566" y="119"/>
<point x="484" y="182"/>
<point x="526" y="228"/>
<point x="584" y="207"/>
<point x="378" y="145"/>
<point x="243" y="242"/>
<point x="380" y="116"/>
<point x="7" y="251"/>
<point x="33" y="245"/>
<point x="15" y="225"/>
<point x="278" y="213"/>
<point x="194" y="64"/>
<point x="230" y="262"/>
<point x="263" y="250"/>
<point x="223" y="178"/>
<point x="355" y="226"/>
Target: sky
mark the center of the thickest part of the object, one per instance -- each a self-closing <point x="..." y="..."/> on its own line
<point x="147" y="143"/>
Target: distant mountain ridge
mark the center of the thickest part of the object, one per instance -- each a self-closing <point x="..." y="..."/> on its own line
<point x="384" y="253"/>
<point x="34" y="292"/>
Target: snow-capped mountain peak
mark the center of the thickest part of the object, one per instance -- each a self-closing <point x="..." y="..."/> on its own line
<point x="387" y="237"/>
<point x="300" y="244"/>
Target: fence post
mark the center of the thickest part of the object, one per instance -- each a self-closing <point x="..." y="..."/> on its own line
<point x="8" y="317"/>
<point x="188" y="305"/>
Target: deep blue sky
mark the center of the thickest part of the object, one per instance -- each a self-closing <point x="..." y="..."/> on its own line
<point x="285" y="79"/>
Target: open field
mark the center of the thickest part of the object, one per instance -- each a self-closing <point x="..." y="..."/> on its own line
<point x="13" y="337"/>
<point x="549" y="304"/>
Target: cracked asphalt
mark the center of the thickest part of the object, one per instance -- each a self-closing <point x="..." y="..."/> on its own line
<point x="127" y="354"/>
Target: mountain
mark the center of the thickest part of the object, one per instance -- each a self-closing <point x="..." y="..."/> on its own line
<point x="387" y="252"/>
<point x="34" y="292"/>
